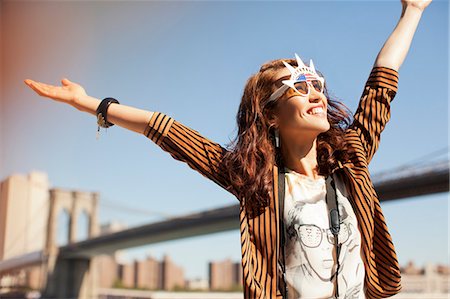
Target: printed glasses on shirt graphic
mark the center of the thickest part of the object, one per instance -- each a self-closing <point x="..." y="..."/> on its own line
<point x="311" y="235"/>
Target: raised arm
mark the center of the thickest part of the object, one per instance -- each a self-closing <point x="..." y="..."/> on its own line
<point x="181" y="142"/>
<point x="74" y="95"/>
<point x="381" y="87"/>
<point x="396" y="47"/>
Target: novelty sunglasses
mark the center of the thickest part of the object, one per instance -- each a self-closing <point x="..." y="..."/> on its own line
<point x="301" y="86"/>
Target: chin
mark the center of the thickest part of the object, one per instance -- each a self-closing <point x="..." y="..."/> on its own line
<point x="324" y="128"/>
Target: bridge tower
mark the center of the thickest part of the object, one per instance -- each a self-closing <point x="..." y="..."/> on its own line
<point x="75" y="202"/>
<point x="74" y="277"/>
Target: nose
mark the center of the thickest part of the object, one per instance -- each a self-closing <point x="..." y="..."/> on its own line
<point x="314" y="95"/>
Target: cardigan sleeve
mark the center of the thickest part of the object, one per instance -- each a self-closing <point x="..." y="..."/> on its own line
<point x="187" y="145"/>
<point x="373" y="111"/>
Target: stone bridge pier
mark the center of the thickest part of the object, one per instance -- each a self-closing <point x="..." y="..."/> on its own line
<point x="70" y="277"/>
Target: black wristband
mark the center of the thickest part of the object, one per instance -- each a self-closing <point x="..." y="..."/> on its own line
<point x="102" y="110"/>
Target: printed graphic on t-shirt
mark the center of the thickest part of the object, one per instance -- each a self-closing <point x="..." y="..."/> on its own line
<point x="310" y="251"/>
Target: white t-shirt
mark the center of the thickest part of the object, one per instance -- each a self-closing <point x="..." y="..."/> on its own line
<point x="310" y="257"/>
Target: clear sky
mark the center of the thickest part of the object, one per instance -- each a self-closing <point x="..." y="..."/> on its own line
<point x="191" y="60"/>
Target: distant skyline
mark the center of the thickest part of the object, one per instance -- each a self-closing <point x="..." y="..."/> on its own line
<point x="190" y="60"/>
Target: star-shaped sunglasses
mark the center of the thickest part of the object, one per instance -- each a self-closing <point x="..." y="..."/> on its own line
<point x="301" y="85"/>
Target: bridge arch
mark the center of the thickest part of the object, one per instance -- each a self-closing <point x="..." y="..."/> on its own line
<point x="62" y="227"/>
<point x="76" y="203"/>
<point x="83" y="223"/>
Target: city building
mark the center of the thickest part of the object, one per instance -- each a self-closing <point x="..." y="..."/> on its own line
<point x="172" y="275"/>
<point x="107" y="269"/>
<point x="225" y="275"/>
<point x="108" y="265"/>
<point x="148" y="274"/>
<point x="24" y="207"/>
<point x="126" y="276"/>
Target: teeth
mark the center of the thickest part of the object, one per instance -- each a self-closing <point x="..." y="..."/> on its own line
<point x="316" y="110"/>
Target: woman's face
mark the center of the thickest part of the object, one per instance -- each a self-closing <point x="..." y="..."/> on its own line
<point x="294" y="114"/>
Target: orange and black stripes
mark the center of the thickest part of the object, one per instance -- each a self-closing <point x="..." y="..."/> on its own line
<point x="259" y="233"/>
<point x="187" y="145"/>
<point x="363" y="136"/>
<point x="374" y="108"/>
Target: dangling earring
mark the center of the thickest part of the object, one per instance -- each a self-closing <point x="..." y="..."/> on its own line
<point x="277" y="138"/>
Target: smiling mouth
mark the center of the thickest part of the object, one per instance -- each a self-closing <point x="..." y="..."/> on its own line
<point x="318" y="111"/>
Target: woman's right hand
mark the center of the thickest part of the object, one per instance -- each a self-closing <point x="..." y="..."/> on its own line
<point x="68" y="93"/>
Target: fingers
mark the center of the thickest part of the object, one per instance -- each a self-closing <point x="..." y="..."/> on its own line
<point x="41" y="88"/>
<point x="33" y="85"/>
<point x="64" y="93"/>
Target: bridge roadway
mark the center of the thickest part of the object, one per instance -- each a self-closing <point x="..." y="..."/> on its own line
<point x="222" y="219"/>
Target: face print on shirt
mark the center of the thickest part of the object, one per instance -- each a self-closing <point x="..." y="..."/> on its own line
<point x="316" y="241"/>
<point x="310" y="251"/>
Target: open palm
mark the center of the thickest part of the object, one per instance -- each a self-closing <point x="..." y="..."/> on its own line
<point x="67" y="93"/>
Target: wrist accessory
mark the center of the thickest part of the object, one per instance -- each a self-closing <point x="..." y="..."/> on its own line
<point x="102" y="110"/>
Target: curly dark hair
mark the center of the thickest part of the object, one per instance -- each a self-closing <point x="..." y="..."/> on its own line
<point x="252" y="153"/>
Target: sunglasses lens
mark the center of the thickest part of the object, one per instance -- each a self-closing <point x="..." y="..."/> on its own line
<point x="317" y="85"/>
<point x="301" y="87"/>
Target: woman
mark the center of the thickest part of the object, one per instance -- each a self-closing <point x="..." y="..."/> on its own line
<point x="296" y="149"/>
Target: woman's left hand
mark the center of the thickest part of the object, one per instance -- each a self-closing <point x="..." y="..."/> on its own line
<point x="420" y="4"/>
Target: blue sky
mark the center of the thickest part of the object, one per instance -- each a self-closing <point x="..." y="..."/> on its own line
<point x="191" y="60"/>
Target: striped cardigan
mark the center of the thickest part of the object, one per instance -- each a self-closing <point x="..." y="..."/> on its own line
<point x="259" y="234"/>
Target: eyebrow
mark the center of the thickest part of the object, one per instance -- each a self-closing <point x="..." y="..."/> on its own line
<point x="278" y="81"/>
<point x="283" y="78"/>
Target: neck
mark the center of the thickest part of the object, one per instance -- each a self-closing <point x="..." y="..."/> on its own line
<point x="301" y="157"/>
